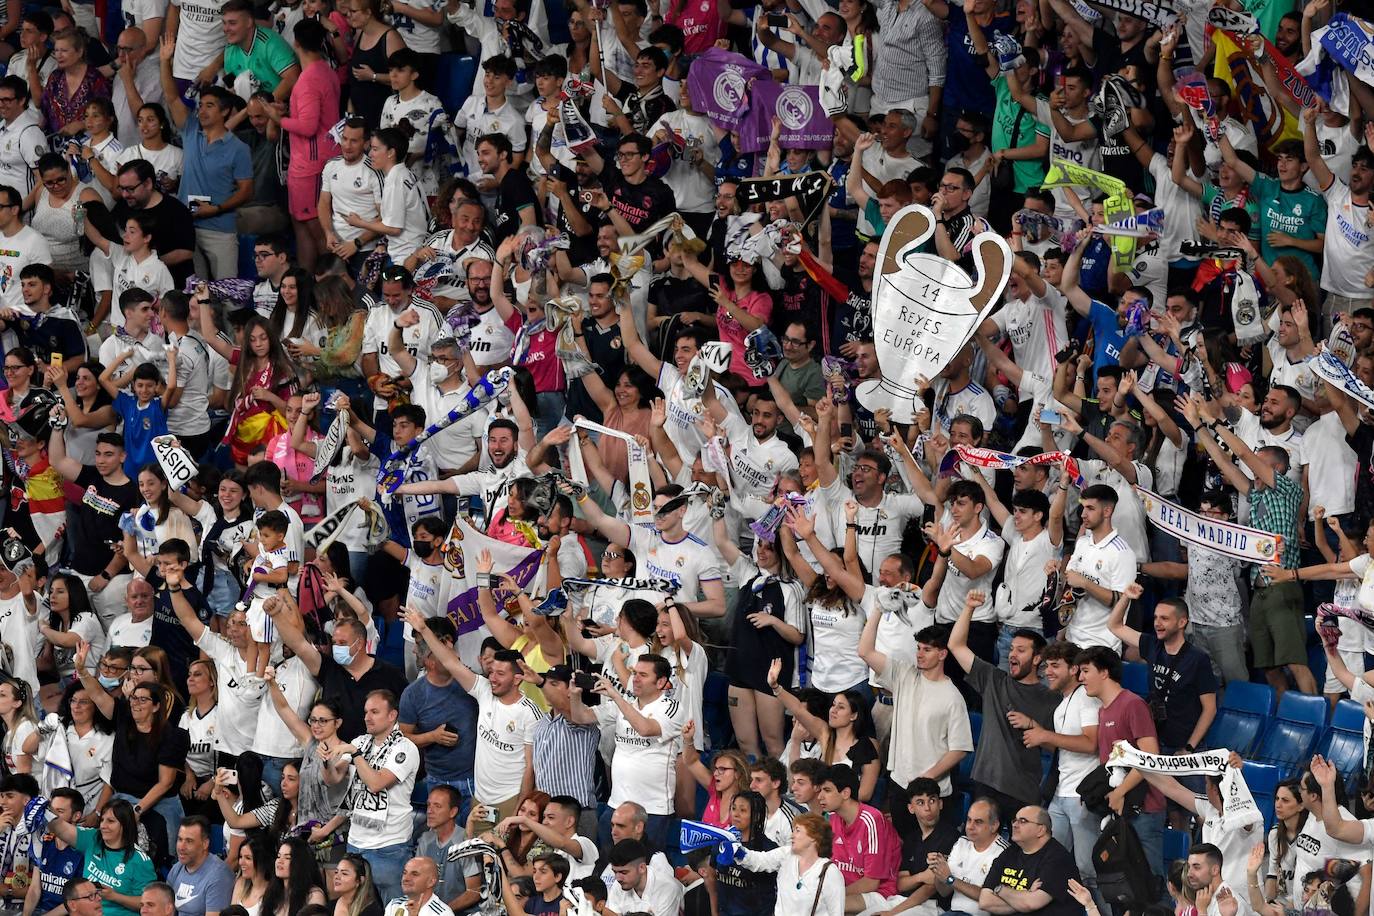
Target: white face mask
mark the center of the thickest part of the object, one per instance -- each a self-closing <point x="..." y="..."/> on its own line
<point x="437" y="372"/>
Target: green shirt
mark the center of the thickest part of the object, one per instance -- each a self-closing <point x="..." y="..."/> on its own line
<point x="1300" y="213"/>
<point x="267" y="58"/>
<point x="1013" y="126"/>
<point x="125" y="871"/>
<point x="1244" y="201"/>
<point x="1276" y="510"/>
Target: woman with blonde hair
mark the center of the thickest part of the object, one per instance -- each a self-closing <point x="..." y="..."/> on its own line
<point x="808" y="882"/>
<point x="21" y="726"/>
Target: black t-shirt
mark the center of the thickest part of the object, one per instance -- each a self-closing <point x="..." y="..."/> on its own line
<point x="135" y="759"/>
<point x="851" y="321"/>
<point x="1362" y="443"/>
<point x="798" y="300"/>
<point x="47" y="334"/>
<point x="607" y="353"/>
<point x="173" y="230"/>
<point x="581" y="247"/>
<point x="1118" y="160"/>
<point x="1052" y="866"/>
<point x="1180" y="681"/>
<point x="638" y="204"/>
<point x="643" y="112"/>
<point x="94" y="522"/>
<point x="513" y="194"/>
<point x="168" y="633"/>
<point x="338" y="687"/>
<point x="915" y="848"/>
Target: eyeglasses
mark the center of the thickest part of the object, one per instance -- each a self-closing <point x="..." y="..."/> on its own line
<point x="140" y="700"/>
<point x="320" y="720"/>
<point x="866" y="468"/>
<point x="259" y="255"/>
<point x="723" y="770"/>
<point x="141" y="669"/>
<point x="11" y="367"/>
<point x="127" y="188"/>
<point x="794" y="342"/>
<point x="55" y="182"/>
<point x="951" y="187"/>
<point x="125" y="49"/>
<point x="1022" y="820"/>
<point x="110" y="669"/>
<point x="6" y="99"/>
<point x="93" y="895"/>
<point x="631" y="154"/>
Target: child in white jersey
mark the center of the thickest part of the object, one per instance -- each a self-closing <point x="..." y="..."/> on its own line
<point x="269" y="574"/>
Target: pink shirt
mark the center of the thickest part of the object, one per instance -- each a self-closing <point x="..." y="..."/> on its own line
<point x="314" y="110"/>
<point x="700" y="23"/>
<point x="542" y="360"/>
<point x="758" y="304"/>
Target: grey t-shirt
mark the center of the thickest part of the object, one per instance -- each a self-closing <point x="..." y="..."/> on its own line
<point x="208" y="889"/>
<point x="452" y="875"/>
<point x="1002" y="760"/>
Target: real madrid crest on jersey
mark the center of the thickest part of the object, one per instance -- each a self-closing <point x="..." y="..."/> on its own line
<point x="640" y="498"/>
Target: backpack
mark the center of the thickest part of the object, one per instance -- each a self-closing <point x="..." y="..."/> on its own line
<point x="1123" y="873"/>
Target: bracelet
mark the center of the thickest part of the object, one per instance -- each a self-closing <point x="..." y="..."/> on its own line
<point x="851" y="524"/>
<point x="945" y="553"/>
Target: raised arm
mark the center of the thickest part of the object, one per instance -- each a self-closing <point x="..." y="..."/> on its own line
<point x="958" y="634"/>
<point x="465" y="676"/>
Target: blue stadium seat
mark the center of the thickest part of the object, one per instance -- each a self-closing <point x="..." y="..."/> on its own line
<point x="1343" y="741"/>
<point x="963" y="773"/>
<point x="1135" y="677"/>
<point x="454" y="78"/>
<point x="1245" y="708"/>
<point x="1291" y="735"/>
<point x="1176" y="844"/>
<point x="1262" y="780"/>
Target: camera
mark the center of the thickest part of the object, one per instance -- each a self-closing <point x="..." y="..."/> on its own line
<point x="587" y="681"/>
<point x="1069" y="353"/>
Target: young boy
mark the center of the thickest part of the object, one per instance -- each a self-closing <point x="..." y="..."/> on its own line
<point x="422" y="110"/>
<point x="270" y="572"/>
<point x="132" y="265"/>
<point x="143" y="412"/>
<point x="549" y="870"/>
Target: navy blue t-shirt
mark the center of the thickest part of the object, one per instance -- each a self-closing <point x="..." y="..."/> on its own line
<point x="1180" y="681"/>
<point x="426" y="707"/>
<point x="57" y="868"/>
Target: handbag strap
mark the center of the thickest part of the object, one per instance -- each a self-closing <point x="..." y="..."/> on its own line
<point x="820" y="885"/>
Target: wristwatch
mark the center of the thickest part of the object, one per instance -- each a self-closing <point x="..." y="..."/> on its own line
<point x="949" y="880"/>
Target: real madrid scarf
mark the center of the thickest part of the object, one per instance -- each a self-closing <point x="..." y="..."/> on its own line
<point x="1238" y="808"/>
<point x="1249" y="545"/>
<point x="1158" y="14"/>
<point x="641" y="486"/>
<point x="328" y="529"/>
<point x="487" y="388"/>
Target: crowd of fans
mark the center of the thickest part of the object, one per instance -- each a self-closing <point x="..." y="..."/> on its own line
<point x="304" y="341"/>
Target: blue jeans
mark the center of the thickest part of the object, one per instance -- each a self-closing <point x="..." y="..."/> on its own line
<point x="1150" y="829"/>
<point x="387" y="864"/>
<point x="1077" y="829"/>
<point x="224" y="593"/>
<point x="271" y="771"/>
<point x="171" y="811"/>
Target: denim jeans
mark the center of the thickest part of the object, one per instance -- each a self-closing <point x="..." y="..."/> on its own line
<point x="171" y="811"/>
<point x="548" y="412"/>
<point x="1150" y="829"/>
<point x="1077" y="829"/>
<point x="387" y="864"/>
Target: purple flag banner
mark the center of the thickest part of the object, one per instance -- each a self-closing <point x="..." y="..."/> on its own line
<point x="719" y="84"/>
<point x="805" y="125"/>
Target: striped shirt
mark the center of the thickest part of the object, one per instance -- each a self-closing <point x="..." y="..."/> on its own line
<point x="1277" y="509"/>
<point x="912" y="51"/>
<point x="565" y="758"/>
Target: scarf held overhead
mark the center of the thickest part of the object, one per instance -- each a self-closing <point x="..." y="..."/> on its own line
<point x="1248" y="545"/>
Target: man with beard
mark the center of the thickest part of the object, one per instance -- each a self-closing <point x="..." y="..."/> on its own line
<point x="507" y="463"/>
<point x="600" y="331"/>
<point x="1274" y="426"/>
<point x="490" y="340"/>
<point x="1349" y="249"/>
<point x="669" y="551"/>
<point x="1004" y="768"/>
<point x="378" y="362"/>
<point x="350" y="181"/>
<point x="757" y="455"/>
<point x="727" y="205"/>
<point x="851" y="321"/>
<point x="683" y="408"/>
<point x="882" y="516"/>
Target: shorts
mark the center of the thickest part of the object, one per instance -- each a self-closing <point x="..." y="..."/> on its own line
<point x="260" y="626"/>
<point x="1276" y="628"/>
<point x="303" y="196"/>
<point x="1354" y="662"/>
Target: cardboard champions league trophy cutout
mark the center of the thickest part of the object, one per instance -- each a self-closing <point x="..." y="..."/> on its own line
<point x="925" y="307"/>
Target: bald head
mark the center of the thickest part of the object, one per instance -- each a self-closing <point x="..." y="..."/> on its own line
<point x="132" y="44"/>
<point x="419" y="877"/>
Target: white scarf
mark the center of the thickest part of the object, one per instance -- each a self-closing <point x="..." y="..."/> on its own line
<point x="1238" y="808"/>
